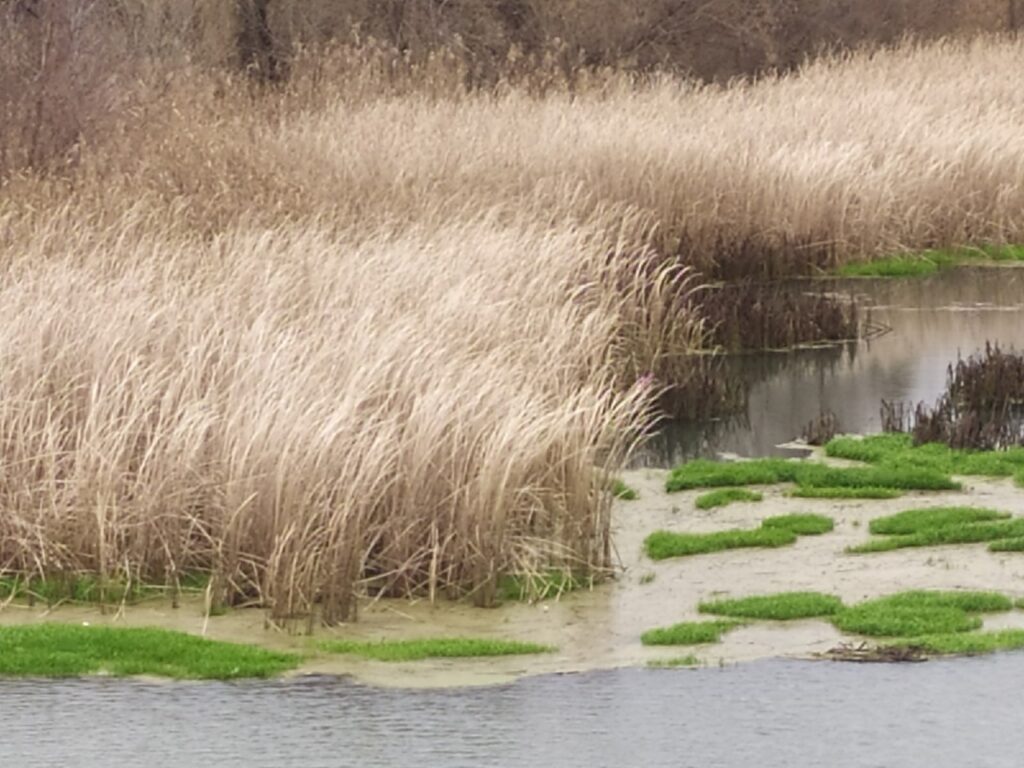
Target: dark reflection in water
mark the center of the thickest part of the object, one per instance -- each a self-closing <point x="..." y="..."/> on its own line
<point x="778" y="713"/>
<point x="932" y="321"/>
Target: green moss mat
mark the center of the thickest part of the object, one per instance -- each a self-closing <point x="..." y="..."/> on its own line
<point x="930" y="262"/>
<point x="783" y="606"/>
<point x="432" y="648"/>
<point x="895" y="450"/>
<point x="920" y="613"/>
<point x="64" y="650"/>
<point x="688" y="633"/>
<point x="806" y="474"/>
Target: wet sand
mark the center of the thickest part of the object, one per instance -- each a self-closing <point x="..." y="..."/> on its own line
<point x="601" y="628"/>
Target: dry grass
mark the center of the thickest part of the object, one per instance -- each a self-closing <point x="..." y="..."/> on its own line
<point x="325" y="344"/>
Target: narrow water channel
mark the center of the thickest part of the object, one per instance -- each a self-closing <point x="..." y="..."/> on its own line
<point x="774" y="714"/>
<point x="930" y="321"/>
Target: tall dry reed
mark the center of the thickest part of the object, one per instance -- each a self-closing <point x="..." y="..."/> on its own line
<point x="327" y="343"/>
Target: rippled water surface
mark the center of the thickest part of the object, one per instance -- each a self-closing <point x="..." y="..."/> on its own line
<point x="788" y="714"/>
<point x="931" y="321"/>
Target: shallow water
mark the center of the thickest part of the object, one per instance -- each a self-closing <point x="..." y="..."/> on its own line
<point x="931" y="321"/>
<point x="777" y="713"/>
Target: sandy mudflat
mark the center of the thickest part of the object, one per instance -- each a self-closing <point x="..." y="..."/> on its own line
<point x="601" y="628"/>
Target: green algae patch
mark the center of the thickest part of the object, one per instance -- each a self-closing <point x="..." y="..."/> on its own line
<point x="811" y="492"/>
<point x="675" y="663"/>
<point x="917" y="520"/>
<point x="724" y="496"/>
<point x="921" y="613"/>
<point x="783" y="606"/>
<point x="689" y="633"/>
<point x="969" y="601"/>
<point x="711" y="474"/>
<point x="962" y="533"/>
<point x="1008" y="545"/>
<point x="66" y="650"/>
<point x="965" y="643"/>
<point x="930" y="262"/>
<point x="801" y="525"/>
<point x="622" y="491"/>
<point x="432" y="648"/>
<point x="661" y="545"/>
<point x="896" y="621"/>
<point x="897" y="449"/>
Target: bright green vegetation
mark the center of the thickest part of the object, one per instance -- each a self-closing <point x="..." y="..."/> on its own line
<point x="664" y="544"/>
<point x="725" y="496"/>
<point x="898" y="450"/>
<point x="971" y="602"/>
<point x="539" y="586"/>
<point x="688" y="633"/>
<point x="679" y="661"/>
<point x="711" y="474"/>
<point x="774" y="532"/>
<point x="920" y="613"/>
<point x="894" y="621"/>
<point x="967" y="643"/>
<point x="622" y="491"/>
<point x="956" y="533"/>
<point x="802" y="492"/>
<point x="783" y="606"/>
<point x="801" y="525"/>
<point x="432" y="648"/>
<point x="918" y="520"/>
<point x="88" y="588"/>
<point x="1007" y="545"/>
<point x="63" y="650"/>
<point x="930" y="262"/>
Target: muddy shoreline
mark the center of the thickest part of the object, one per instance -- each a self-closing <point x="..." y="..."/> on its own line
<point x="601" y="628"/>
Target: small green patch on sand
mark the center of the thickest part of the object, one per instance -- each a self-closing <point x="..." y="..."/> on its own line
<point x="893" y="449"/>
<point x="688" y="633"/>
<point x="895" y="621"/>
<point x="802" y="492"/>
<point x="539" y="586"/>
<point x="916" y="520"/>
<point x="725" y="496"/>
<point x="1008" y="545"/>
<point x="711" y="474"/>
<point x="919" y="613"/>
<point x="622" y="491"/>
<point x="959" y="533"/>
<point x="966" y="643"/>
<point x="432" y="648"/>
<point x="783" y="606"/>
<point x="661" y="545"/>
<point x="801" y="525"/>
<point x="679" y="661"/>
<point x="64" y="650"/>
<point x="774" y="532"/>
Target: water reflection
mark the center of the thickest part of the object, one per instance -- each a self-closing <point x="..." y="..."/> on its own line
<point x="932" y="320"/>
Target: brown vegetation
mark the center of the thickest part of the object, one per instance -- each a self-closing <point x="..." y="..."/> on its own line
<point x="368" y="331"/>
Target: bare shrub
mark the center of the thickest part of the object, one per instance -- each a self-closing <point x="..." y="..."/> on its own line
<point x="61" y="65"/>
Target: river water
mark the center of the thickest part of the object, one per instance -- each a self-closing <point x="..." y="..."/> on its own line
<point x="930" y="322"/>
<point x="961" y="713"/>
<point x="774" y="714"/>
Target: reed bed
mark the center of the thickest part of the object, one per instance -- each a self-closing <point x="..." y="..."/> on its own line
<point x="334" y="339"/>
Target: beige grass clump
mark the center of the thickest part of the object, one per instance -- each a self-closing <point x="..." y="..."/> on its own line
<point x="307" y="415"/>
